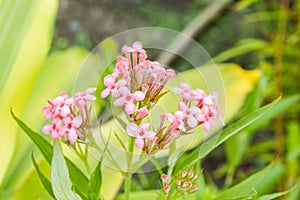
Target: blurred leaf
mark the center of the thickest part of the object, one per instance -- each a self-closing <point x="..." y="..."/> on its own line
<point x="46" y="183"/>
<point x="227" y="133"/>
<point x="61" y="183"/>
<point x="26" y="29"/>
<point x="271" y="179"/>
<point x="294" y="195"/>
<point x="276" y="195"/>
<point x="245" y="189"/>
<point x="235" y="147"/>
<point x="281" y="107"/>
<point x="78" y="178"/>
<point x="243" y="47"/>
<point x="243" y="4"/>
<point x="262" y="16"/>
<point x="95" y="183"/>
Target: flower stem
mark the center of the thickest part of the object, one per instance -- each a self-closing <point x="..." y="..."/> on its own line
<point x="129" y="168"/>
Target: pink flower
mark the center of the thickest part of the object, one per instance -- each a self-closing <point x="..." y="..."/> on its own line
<point x="127" y="99"/>
<point x="55" y="128"/>
<point x="81" y="98"/>
<point x="141" y="133"/>
<point x="190" y="114"/>
<point x="176" y="120"/>
<point x="185" y="91"/>
<point x="59" y="107"/>
<point x="70" y="128"/>
<point x="142" y="112"/>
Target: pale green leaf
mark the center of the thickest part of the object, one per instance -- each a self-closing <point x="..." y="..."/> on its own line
<point x="61" y="183"/>
<point x="26" y="28"/>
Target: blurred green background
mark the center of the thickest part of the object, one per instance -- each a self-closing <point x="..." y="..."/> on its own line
<point x="257" y="42"/>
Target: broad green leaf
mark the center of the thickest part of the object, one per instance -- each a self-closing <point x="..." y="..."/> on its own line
<point x="246" y="188"/>
<point x="78" y="178"/>
<point x="61" y="183"/>
<point x="276" y="195"/>
<point x="95" y="183"/>
<point x="45" y="181"/>
<point x="26" y="29"/>
<point x="227" y="133"/>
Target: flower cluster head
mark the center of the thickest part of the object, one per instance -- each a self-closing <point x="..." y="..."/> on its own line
<point x="69" y="116"/>
<point x="184" y="182"/>
<point x="137" y="84"/>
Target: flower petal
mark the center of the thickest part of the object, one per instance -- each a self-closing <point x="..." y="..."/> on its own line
<point x="132" y="129"/>
<point x="139" y="142"/>
<point x="129" y="108"/>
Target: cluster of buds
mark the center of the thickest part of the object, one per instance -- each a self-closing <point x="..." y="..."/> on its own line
<point x="69" y="116"/>
<point x="137" y="84"/>
<point x="186" y="182"/>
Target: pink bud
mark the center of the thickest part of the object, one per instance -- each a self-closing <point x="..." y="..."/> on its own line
<point x="167" y="189"/>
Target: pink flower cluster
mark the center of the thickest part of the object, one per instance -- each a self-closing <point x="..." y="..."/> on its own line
<point x="69" y="116"/>
<point x="137" y="84"/>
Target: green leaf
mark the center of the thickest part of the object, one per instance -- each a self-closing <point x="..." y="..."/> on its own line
<point x="61" y="183"/>
<point x="46" y="183"/>
<point x="227" y="133"/>
<point x="271" y="179"/>
<point x="245" y="189"/>
<point x="13" y="22"/>
<point x="275" y="195"/>
<point x="78" y="178"/>
<point x="95" y="183"/>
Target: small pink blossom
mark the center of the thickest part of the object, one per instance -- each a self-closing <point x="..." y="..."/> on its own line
<point x="127" y="99"/>
<point x="142" y="112"/>
<point x="141" y="133"/>
<point x="185" y="91"/>
<point x="81" y="98"/>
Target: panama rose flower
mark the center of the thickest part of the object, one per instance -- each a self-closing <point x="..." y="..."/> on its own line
<point x="70" y="116"/>
<point x="137" y="84"/>
<point x="141" y="133"/>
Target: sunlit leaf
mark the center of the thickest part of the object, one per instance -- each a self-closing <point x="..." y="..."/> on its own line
<point x="61" y="183"/>
<point x="26" y="29"/>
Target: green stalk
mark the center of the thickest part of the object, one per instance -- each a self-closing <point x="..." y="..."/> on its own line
<point x="129" y="168"/>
